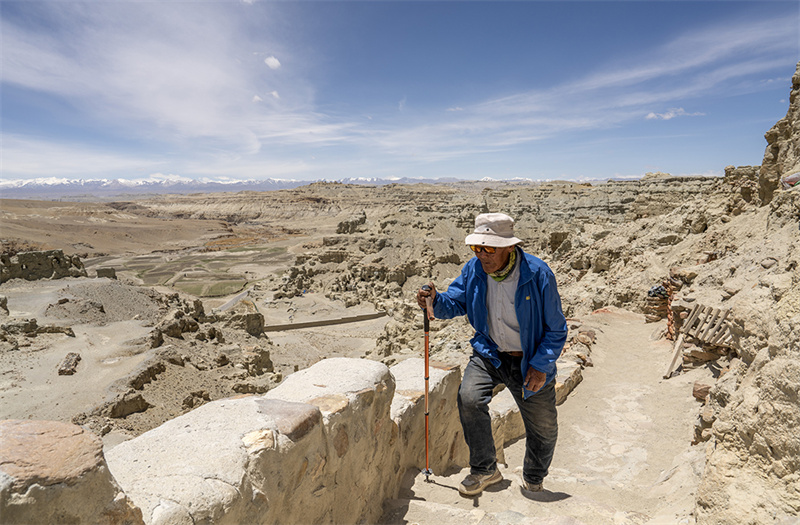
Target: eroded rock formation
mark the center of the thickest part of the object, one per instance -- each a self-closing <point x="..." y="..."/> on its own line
<point x="782" y="155"/>
<point x="753" y="468"/>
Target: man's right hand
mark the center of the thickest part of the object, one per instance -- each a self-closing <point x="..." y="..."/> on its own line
<point x="423" y="294"/>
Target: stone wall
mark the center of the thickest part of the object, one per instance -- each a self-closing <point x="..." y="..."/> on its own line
<point x="328" y="445"/>
<point x="31" y="266"/>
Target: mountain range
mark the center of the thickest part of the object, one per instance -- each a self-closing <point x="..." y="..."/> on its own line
<point x="105" y="189"/>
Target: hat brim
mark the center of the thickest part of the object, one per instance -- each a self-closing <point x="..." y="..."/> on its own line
<point x="491" y="240"/>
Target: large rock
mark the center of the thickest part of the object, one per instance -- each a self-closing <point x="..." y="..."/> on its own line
<point x="752" y="472"/>
<point x="782" y="155"/>
<point x="351" y="224"/>
<point x="244" y="316"/>
<point x="52" y="472"/>
<point x="744" y="180"/>
<point x="214" y="464"/>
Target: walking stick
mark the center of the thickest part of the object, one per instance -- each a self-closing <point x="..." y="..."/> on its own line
<point x="426" y="317"/>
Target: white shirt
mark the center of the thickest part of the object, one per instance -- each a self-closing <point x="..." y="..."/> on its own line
<point x="503" y="323"/>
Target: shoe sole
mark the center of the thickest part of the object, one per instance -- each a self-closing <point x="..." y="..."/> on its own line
<point x="481" y="487"/>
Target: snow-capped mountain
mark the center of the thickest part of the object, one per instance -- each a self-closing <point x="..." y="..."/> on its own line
<point x="106" y="189"/>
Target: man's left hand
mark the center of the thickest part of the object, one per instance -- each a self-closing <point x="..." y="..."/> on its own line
<point x="534" y="380"/>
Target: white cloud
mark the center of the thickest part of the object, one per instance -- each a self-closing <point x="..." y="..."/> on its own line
<point x="33" y="159"/>
<point x="301" y="129"/>
<point x="272" y="62"/>
<point x="150" y="70"/>
<point x="187" y="77"/>
<point x="273" y="94"/>
<point x="671" y="114"/>
<point x="26" y="158"/>
<point x="692" y="66"/>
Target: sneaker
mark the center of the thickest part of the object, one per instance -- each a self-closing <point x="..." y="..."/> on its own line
<point x="532" y="487"/>
<point x="475" y="483"/>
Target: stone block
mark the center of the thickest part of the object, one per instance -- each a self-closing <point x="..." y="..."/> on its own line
<point x="109" y="273"/>
<point x="507" y="424"/>
<point x="343" y="430"/>
<point x="700" y="391"/>
<point x="354" y="397"/>
<point x="69" y="364"/>
<point x="569" y="376"/>
<point x="209" y="464"/>
<point x="53" y="472"/>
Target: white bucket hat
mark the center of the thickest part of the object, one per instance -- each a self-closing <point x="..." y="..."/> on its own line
<point x="493" y="229"/>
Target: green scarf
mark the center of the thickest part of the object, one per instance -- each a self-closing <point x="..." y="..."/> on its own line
<point x="502" y="274"/>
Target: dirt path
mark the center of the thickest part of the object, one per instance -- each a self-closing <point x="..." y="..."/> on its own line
<point x="623" y="455"/>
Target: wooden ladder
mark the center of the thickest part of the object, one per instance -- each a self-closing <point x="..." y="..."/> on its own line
<point x="707" y="324"/>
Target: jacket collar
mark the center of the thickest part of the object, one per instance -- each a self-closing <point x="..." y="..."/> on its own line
<point x="525" y="272"/>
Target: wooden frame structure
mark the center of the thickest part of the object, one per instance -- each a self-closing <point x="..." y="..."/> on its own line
<point x="707" y="324"/>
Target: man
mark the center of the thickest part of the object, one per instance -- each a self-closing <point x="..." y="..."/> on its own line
<point x="512" y="302"/>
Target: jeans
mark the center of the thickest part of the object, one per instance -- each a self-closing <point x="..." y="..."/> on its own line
<point x="538" y="414"/>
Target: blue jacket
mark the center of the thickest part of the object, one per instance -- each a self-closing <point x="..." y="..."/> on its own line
<point x="542" y="326"/>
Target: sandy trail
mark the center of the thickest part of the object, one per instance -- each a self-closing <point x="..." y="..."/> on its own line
<point x="623" y="455"/>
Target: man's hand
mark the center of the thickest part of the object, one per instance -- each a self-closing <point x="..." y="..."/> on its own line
<point x="534" y="380"/>
<point x="423" y="294"/>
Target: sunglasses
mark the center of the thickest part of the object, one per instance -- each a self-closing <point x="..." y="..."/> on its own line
<point x="479" y="249"/>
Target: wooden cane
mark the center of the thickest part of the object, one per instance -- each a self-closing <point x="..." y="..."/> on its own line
<point x="427" y="316"/>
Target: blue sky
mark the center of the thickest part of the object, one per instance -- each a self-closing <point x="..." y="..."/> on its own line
<point x="327" y="90"/>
